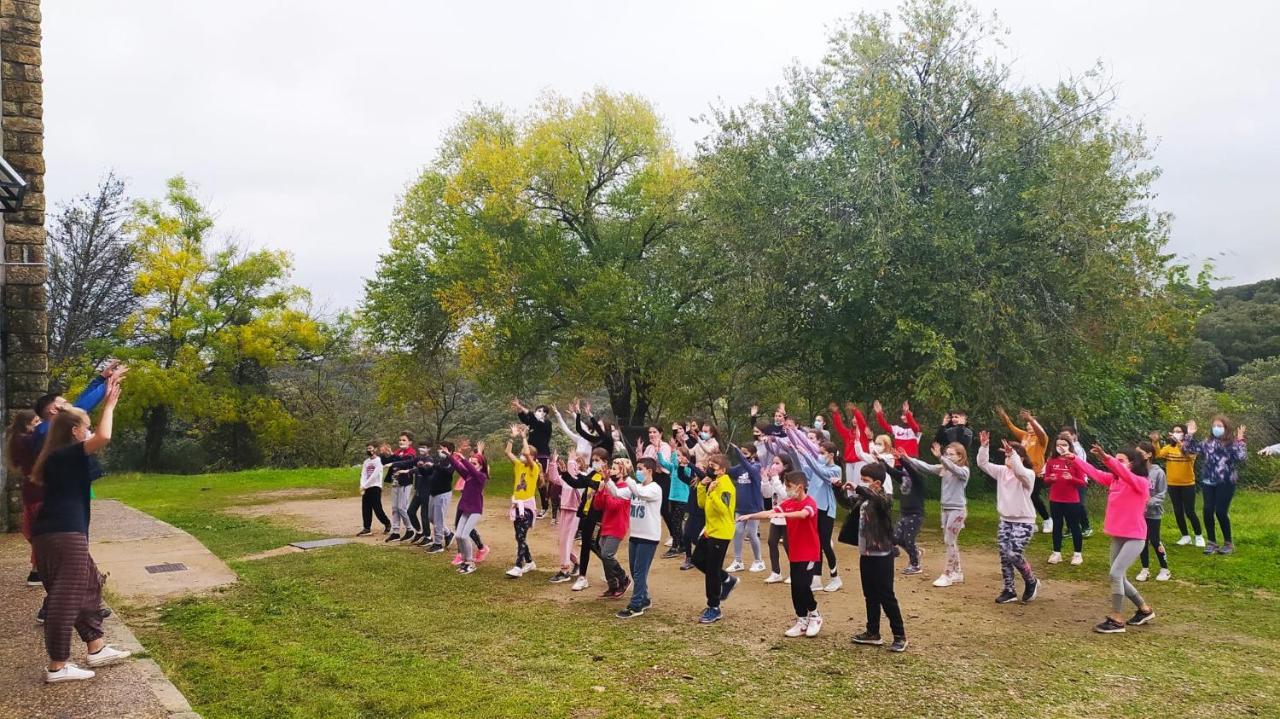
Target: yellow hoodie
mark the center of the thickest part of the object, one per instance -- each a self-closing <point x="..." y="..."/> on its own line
<point x="718" y="502"/>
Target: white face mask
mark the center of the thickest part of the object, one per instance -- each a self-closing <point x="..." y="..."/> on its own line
<point x="540" y="415"/>
<point x="704" y="435"/>
<point x="1178" y="436"/>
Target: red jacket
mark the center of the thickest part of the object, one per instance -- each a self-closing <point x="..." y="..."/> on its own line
<point x="846" y="435"/>
<point x="1064" y="479"/>
<point x="616" y="521"/>
<point x="907" y="438"/>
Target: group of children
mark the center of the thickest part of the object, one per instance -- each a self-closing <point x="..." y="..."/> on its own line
<point x="712" y="498"/>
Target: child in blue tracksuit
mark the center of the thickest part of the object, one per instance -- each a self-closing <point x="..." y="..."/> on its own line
<point x="748" y="500"/>
<point x="695" y="520"/>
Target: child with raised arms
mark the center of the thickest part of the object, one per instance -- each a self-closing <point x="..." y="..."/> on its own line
<point x="645" y="496"/>
<point x="526" y="475"/>
<point x="954" y="472"/>
<point x="1015" y="480"/>
<point x="804" y="552"/>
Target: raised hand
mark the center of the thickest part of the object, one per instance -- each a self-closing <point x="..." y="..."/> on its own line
<point x="755" y="410"/>
<point x="1191" y="427"/>
<point x="984" y="438"/>
<point x="833" y="408"/>
<point x="480" y="447"/>
<point x="936" y="449"/>
<point x="515" y="406"/>
<point x="586" y="408"/>
<point x="906" y="407"/>
<point x="515" y="430"/>
<point x="1097" y="451"/>
<point x="1024" y="415"/>
<point x="1240" y="433"/>
<point x="877" y="407"/>
<point x="1155" y="438"/>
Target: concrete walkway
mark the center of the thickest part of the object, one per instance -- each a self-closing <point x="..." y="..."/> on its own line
<point x="135" y="689"/>
<point x="125" y="542"/>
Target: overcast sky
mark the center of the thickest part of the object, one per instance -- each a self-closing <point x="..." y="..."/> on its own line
<point x="302" y="121"/>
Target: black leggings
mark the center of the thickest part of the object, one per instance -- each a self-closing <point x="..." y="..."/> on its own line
<point x="674" y="518"/>
<point x="802" y="599"/>
<point x="712" y="567"/>
<point x="693" y="526"/>
<point x="1037" y="498"/>
<point x="877" y="590"/>
<point x="1068" y="512"/>
<point x="1153" y="542"/>
<point x="417" y="508"/>
<point x="826" y="525"/>
<point x="778" y="535"/>
<point x="590" y="544"/>
<point x="1184" y="508"/>
<point x="1217" y="503"/>
<point x="371" y="504"/>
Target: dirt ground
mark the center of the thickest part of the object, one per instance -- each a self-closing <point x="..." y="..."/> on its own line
<point x="942" y="618"/>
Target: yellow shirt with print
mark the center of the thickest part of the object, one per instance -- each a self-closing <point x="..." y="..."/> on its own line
<point x="1179" y="467"/>
<point x="718" y="502"/>
<point x="526" y="481"/>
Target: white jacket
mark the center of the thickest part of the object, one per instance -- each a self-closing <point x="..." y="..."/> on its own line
<point x="646" y="508"/>
<point x="775" y="490"/>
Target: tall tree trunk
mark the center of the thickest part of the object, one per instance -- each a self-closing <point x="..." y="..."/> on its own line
<point x="629" y="399"/>
<point x="157" y="424"/>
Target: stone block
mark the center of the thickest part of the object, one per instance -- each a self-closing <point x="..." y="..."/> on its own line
<point x="24" y="253"/>
<point x="24" y="234"/>
<point x="26" y="321"/>
<point x="27" y="382"/>
<point x="21" y="90"/>
<point x="30" y="362"/>
<point x="30" y="275"/>
<point x="25" y="9"/>
<point x="15" y="52"/>
<point x="25" y="142"/>
<point x="13" y="122"/>
<point x="27" y="398"/>
<point x="30" y="297"/>
<point x="26" y="163"/>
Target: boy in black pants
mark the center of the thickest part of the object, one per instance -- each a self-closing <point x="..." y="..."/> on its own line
<point x="875" y="560"/>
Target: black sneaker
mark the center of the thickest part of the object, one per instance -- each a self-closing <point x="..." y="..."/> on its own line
<point x="868" y="638"/>
<point x="409" y="536"/>
<point x="448" y="538"/>
<point x="686" y="566"/>
<point x="1109" y="626"/>
<point x="40" y="616"/>
<point x="434" y="549"/>
<point x="621" y="591"/>
<point x="1006" y="597"/>
<point x="33" y="579"/>
<point x="672" y="553"/>
<point x="629" y="612"/>
<point x="560" y="577"/>
<point x="104" y="611"/>
<point x="386" y="528"/>
<point x="542" y="514"/>
<point x="1031" y="591"/>
<point x="363" y="532"/>
<point x="1140" y="617"/>
<point x="392" y="537"/>
<point x="422" y="541"/>
<point x="899" y="644"/>
<point x="726" y="588"/>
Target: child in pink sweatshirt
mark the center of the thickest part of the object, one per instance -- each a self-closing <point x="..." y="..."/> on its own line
<point x="567" y="514"/>
<point x="1127" y="525"/>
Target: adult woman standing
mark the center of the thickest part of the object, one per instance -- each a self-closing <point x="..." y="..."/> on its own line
<point x="60" y="535"/>
<point x="1220" y="458"/>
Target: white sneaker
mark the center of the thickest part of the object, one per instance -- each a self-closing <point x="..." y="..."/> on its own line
<point x="68" y="673"/>
<point x="773" y="578"/>
<point x="1077" y="558"/>
<point x="833" y="585"/>
<point x="515" y="572"/>
<point x="815" y="625"/>
<point x="816" y="584"/>
<point x="1055" y="558"/>
<point x="669" y="541"/>
<point x="108" y="655"/>
<point x="1142" y="575"/>
<point x="1199" y="541"/>
<point x="942" y="581"/>
<point x="580" y="584"/>
<point x="1048" y="527"/>
<point x="787" y="580"/>
<point x="798" y="629"/>
<point x="1184" y="540"/>
<point x="1164" y="575"/>
<point x="531" y="566"/>
<point x="735" y="566"/>
<point x="757" y="566"/>
<point x="957" y="578"/>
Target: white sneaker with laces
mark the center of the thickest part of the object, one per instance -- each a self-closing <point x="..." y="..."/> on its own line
<point x="108" y="655"/>
<point x="1199" y="541"/>
<point x="580" y="584"/>
<point x="734" y="566"/>
<point x="1048" y="527"/>
<point x="1164" y="575"/>
<point x="787" y="580"/>
<point x="798" y="629"/>
<point x="757" y="566"/>
<point x="669" y="541"/>
<point x="834" y="585"/>
<point x="1184" y="540"/>
<point x="68" y="673"/>
<point x="816" y="584"/>
<point x="773" y="578"/>
<point x="1142" y="575"/>
<point x="942" y="581"/>
<point x="1077" y="558"/>
<point x="531" y="566"/>
<point x="1055" y="558"/>
<point x="515" y="572"/>
<point x="815" y="625"/>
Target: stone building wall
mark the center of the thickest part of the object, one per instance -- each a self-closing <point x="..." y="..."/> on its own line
<point x="24" y="337"/>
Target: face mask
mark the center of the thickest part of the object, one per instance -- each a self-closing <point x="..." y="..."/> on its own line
<point x="1218" y="431"/>
<point x="1177" y="436"/>
<point x="598" y="466"/>
<point x="617" y="435"/>
<point x="640" y="475"/>
<point x="540" y="415"/>
<point x="817" y="424"/>
<point x="704" y="435"/>
<point x="793" y="492"/>
<point x="777" y="422"/>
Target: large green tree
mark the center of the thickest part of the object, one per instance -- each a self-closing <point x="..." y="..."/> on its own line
<point x="555" y="249"/>
<point x="916" y="224"/>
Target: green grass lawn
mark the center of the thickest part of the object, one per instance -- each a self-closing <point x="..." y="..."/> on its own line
<point x="359" y="632"/>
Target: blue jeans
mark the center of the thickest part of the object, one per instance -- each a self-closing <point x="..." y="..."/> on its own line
<point x="640" y="557"/>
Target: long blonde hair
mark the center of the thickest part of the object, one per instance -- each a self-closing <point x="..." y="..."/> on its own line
<point x="59" y="436"/>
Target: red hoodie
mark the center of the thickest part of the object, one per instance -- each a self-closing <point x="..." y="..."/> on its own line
<point x="1064" y="479"/>
<point x="846" y="435"/>
<point x="616" y="521"/>
<point x="907" y="438"/>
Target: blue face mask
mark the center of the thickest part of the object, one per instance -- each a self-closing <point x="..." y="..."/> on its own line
<point x="1218" y="431"/>
<point x="704" y="435"/>
<point x="640" y="476"/>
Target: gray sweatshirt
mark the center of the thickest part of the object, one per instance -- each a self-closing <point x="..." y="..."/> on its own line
<point x="954" y="479"/>
<point x="1159" y="487"/>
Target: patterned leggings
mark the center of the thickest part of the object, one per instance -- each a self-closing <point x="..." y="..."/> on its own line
<point x="952" y="523"/>
<point x="74" y="585"/>
<point x="905" y="536"/>
<point x="1012" y="538"/>
<point x="522" y="523"/>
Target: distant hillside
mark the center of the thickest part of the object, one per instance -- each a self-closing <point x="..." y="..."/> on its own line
<point x="1243" y="326"/>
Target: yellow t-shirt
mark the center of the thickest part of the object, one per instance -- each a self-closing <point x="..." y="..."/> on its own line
<point x="526" y="481"/>
<point x="718" y="502"/>
<point x="1179" y="467"/>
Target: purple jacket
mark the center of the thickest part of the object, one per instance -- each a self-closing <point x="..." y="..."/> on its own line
<point x="1219" y="459"/>
<point x="472" y="499"/>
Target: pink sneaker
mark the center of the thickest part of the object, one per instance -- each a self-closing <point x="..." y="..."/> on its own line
<point x="480" y="555"/>
<point x="457" y="559"/>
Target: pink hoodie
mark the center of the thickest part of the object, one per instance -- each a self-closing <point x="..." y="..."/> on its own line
<point x="1126" y="500"/>
<point x="569" y="497"/>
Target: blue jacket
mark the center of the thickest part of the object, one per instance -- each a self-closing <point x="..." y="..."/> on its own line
<point x="746" y="474"/>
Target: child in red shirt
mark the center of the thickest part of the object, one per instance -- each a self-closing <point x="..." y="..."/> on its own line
<point x="1065" y="481"/>
<point x="614" y="525"/>
<point x="803" y="550"/>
